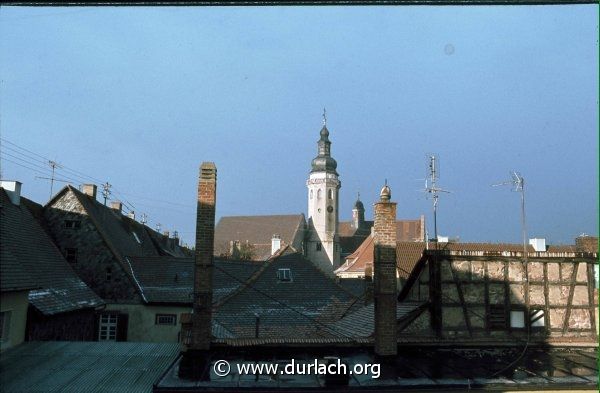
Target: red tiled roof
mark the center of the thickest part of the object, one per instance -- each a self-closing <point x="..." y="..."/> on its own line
<point x="258" y="231"/>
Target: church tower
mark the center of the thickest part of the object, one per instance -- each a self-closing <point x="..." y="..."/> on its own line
<point x="322" y="243"/>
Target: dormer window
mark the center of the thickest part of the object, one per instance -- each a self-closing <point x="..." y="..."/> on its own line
<point x="284" y="275"/>
<point x="137" y="239"/>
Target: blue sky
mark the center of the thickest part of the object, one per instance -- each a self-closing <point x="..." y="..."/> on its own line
<point x="139" y="97"/>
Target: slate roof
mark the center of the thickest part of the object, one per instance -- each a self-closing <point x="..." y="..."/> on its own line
<point x="91" y="367"/>
<point x="361" y="323"/>
<point x="286" y="309"/>
<point x="258" y="231"/>
<point x="24" y="240"/>
<point x="171" y="280"/>
<point x="116" y="228"/>
<point x="13" y="277"/>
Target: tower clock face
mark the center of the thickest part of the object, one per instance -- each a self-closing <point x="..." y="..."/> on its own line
<point x="329" y="209"/>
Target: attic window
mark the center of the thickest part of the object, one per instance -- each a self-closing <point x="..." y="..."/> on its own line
<point x="284" y="275"/>
<point x="536" y="319"/>
<point x="137" y="238"/>
<point x="72" y="224"/>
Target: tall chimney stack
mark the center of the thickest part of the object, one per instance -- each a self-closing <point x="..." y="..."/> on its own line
<point x="205" y="234"/>
<point x="384" y="261"/>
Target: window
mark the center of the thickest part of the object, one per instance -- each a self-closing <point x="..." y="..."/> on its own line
<point x="330" y="194"/>
<point x="284" y="275"/>
<point x="319" y="194"/>
<point x="72" y="224"/>
<point x="536" y="318"/>
<point x="4" y="325"/>
<point x="137" y="239"/>
<point x="165" y="319"/>
<point x="319" y="246"/>
<point x="311" y="194"/>
<point x="517" y="319"/>
<point x="108" y="274"/>
<point x="71" y="255"/>
<point x="108" y="327"/>
<point x="496" y="318"/>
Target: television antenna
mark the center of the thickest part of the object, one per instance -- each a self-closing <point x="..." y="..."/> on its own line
<point x="144" y="219"/>
<point x="518" y="185"/>
<point x="106" y="191"/>
<point x="54" y="165"/>
<point x="432" y="188"/>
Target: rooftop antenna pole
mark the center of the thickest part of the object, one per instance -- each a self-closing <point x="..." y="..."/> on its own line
<point x="518" y="182"/>
<point x="144" y="219"/>
<point x="432" y="189"/>
<point x="106" y="191"/>
<point x="53" y="165"/>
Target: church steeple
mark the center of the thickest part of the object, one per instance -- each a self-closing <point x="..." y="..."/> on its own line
<point x="323" y="162"/>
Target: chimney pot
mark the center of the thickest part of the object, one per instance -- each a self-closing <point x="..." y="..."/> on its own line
<point x="13" y="189"/>
<point x="116" y="205"/>
<point x="90" y="189"/>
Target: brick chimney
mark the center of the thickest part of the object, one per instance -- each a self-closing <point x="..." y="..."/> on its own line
<point x="205" y="234"/>
<point x="384" y="277"/>
<point x="90" y="189"/>
<point x="117" y="206"/>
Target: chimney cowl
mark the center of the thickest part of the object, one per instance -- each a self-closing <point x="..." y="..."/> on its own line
<point x="13" y="190"/>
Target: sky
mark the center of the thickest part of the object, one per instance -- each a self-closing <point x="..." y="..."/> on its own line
<point x="139" y="97"/>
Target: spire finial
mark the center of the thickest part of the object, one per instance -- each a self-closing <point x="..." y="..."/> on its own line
<point x="358" y="196"/>
<point x="324" y="117"/>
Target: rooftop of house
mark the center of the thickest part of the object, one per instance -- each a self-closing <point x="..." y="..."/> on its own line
<point x="124" y="236"/>
<point x="351" y="238"/>
<point x="409" y="253"/>
<point x="30" y="258"/>
<point x="257" y="231"/>
<point x="62" y="366"/>
<point x="407" y="256"/>
<point x="170" y="280"/>
<point x="414" y="369"/>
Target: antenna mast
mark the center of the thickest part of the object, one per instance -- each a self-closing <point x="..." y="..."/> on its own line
<point x="53" y="165"/>
<point x="433" y="189"/>
<point x="518" y="182"/>
<point x="106" y="191"/>
<point x="144" y="219"/>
